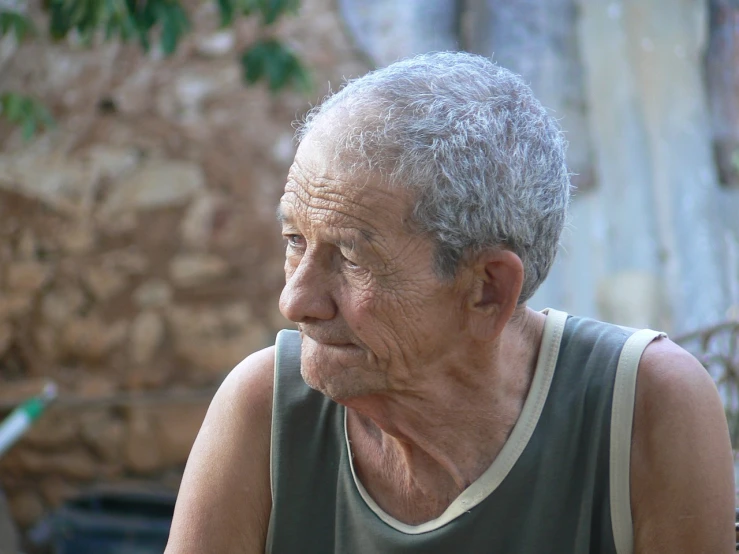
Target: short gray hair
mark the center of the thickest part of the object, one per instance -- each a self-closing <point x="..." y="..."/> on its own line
<point x="484" y="158"/>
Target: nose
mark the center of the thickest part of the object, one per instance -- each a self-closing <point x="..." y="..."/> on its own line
<point x="307" y="295"/>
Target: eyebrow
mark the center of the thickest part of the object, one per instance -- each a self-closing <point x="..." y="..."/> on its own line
<point x="282" y="216"/>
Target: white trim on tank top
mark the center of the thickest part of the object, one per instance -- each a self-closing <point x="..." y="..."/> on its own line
<point x="622" y="419"/>
<point x="512" y="449"/>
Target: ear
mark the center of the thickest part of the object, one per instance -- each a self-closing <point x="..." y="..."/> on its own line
<point x="498" y="278"/>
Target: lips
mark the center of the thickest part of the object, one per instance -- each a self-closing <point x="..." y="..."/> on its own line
<point x="326" y="338"/>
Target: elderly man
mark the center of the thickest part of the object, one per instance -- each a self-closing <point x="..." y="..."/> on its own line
<point x="422" y="407"/>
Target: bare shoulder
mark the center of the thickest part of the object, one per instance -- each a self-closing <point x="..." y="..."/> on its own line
<point x="682" y="476"/>
<point x="224" y="500"/>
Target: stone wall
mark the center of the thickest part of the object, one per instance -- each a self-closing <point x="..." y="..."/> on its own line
<point x="139" y="255"/>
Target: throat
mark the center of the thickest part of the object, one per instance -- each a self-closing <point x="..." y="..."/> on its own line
<point x="410" y="484"/>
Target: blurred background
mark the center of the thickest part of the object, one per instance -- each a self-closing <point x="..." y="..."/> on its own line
<point x="143" y="149"/>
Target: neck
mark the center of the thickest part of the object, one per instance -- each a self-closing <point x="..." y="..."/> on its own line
<point x="445" y="432"/>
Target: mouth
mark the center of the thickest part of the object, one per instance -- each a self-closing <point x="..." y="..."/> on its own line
<point x="327" y="341"/>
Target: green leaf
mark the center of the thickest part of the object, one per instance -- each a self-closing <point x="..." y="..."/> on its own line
<point x="252" y="63"/>
<point x="25" y="112"/>
<point x="13" y="106"/>
<point x="271" y="60"/>
<point x="29" y="128"/>
<point x="174" y="24"/>
<point x="16" y="23"/>
<point x="271" y="10"/>
<point x="247" y="7"/>
<point x="226" y="8"/>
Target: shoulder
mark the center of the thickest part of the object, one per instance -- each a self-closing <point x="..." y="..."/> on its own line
<point x="681" y="463"/>
<point x="225" y="500"/>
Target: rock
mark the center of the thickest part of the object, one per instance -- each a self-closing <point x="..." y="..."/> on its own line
<point x="103" y="282"/>
<point x="197" y="224"/>
<point x="154" y="293"/>
<point x="27" y="246"/>
<point x="177" y="425"/>
<point x="162" y="435"/>
<point x="56" y="180"/>
<point x="27" y="276"/>
<point x="104" y="434"/>
<point x="45" y="339"/>
<point x="59" y="305"/>
<point x="90" y="338"/>
<point x="75" y="463"/>
<point x="112" y="161"/>
<point x="55" y="429"/>
<point x="128" y="260"/>
<point x="215" y="339"/>
<point x="135" y="94"/>
<point x="77" y="239"/>
<point x="216" y="44"/>
<point x="194" y="87"/>
<point x="189" y="270"/>
<point x="6" y="337"/>
<point x="56" y="490"/>
<point x="217" y="357"/>
<point x="18" y="391"/>
<point x="158" y="184"/>
<point x="96" y="386"/>
<point x="142" y="450"/>
<point x="15" y="306"/>
<point x="26" y="507"/>
<point x="147" y="333"/>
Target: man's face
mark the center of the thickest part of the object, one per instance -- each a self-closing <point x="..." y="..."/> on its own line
<point x="361" y="285"/>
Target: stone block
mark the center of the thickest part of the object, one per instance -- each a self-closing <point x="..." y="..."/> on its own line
<point x="77" y="239"/>
<point x="55" y="429"/>
<point x="56" y="490"/>
<point x="27" y="276"/>
<point x="26" y="507"/>
<point x="158" y="184"/>
<point x="112" y="161"/>
<point x="103" y="282"/>
<point x="59" y="305"/>
<point x="127" y="260"/>
<point x="74" y="463"/>
<point x="147" y="334"/>
<point x="160" y="436"/>
<point x="90" y="338"/>
<point x="195" y="269"/>
<point x="142" y="449"/>
<point x="96" y="386"/>
<point x="103" y="434"/>
<point x="197" y="224"/>
<point x="15" y="305"/>
<point x="153" y="293"/>
<point x="18" y="391"/>
<point x="6" y="337"/>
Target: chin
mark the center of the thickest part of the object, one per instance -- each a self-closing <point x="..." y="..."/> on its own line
<point x="339" y="387"/>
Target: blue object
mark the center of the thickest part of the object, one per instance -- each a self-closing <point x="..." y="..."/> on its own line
<point x="117" y="522"/>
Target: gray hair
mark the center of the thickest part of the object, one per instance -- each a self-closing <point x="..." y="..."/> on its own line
<point x="484" y="158"/>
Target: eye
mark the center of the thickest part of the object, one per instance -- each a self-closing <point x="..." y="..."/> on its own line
<point x="349" y="264"/>
<point x="295" y="241"/>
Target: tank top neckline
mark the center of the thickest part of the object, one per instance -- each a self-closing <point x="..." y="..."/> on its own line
<point x="522" y="431"/>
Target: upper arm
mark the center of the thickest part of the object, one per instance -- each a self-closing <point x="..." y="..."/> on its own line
<point x="682" y="473"/>
<point x="224" y="500"/>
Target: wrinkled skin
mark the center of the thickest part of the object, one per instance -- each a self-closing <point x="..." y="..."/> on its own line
<point x="361" y="284"/>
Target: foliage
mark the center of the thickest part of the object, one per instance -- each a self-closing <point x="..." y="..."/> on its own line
<point x="24" y="112"/>
<point x="140" y="20"/>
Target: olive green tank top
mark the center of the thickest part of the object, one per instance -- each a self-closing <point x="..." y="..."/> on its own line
<point x="559" y="485"/>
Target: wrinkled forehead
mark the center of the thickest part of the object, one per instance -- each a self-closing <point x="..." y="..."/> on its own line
<point x="322" y="184"/>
